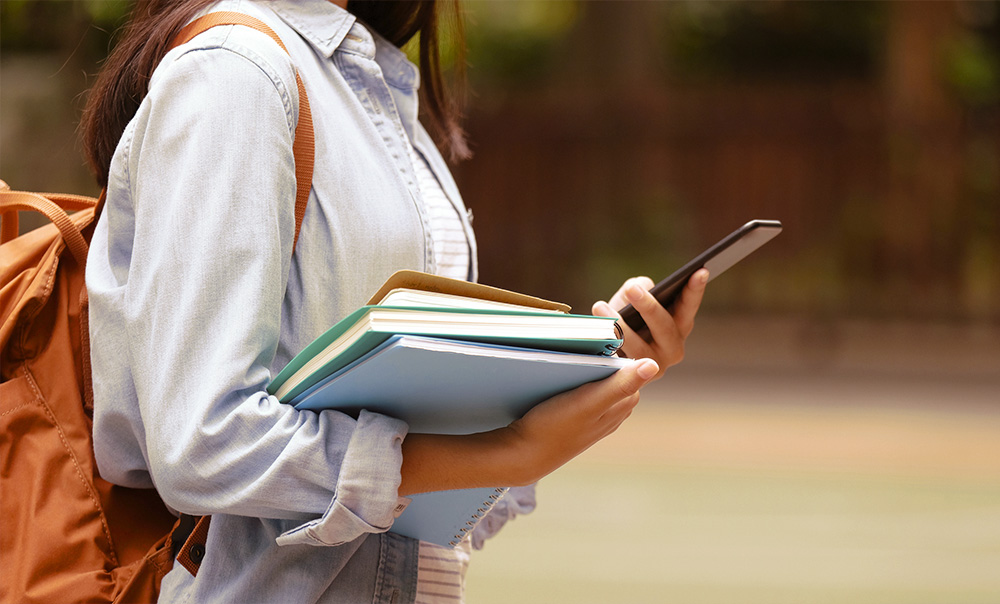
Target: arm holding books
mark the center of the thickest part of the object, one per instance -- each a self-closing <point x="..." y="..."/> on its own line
<point x="548" y="436"/>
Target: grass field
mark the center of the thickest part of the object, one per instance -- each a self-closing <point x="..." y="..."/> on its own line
<point x="771" y="486"/>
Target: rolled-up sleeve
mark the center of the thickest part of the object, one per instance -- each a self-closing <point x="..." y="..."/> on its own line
<point x="364" y="486"/>
<point x="187" y="292"/>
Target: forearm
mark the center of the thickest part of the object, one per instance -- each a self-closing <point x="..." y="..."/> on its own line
<point x="439" y="462"/>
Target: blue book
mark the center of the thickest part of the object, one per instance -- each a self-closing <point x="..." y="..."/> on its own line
<point x="445" y="386"/>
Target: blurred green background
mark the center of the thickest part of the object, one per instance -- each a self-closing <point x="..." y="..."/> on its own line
<point x="834" y="434"/>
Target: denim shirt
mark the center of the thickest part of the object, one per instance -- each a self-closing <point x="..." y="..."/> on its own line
<point x="197" y="300"/>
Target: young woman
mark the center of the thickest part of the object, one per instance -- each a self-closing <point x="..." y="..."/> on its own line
<point x="197" y="298"/>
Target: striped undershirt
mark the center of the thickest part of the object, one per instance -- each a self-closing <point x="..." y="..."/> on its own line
<point x="451" y="247"/>
<point x="441" y="570"/>
<point x="441" y="573"/>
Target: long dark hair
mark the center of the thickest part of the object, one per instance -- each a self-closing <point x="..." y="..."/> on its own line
<point x="124" y="79"/>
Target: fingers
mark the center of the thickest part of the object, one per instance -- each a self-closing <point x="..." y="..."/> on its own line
<point x="667" y="329"/>
<point x="623" y="393"/>
<point x="619" y="300"/>
<point x="690" y="300"/>
<point x="650" y="309"/>
<point x="644" y="282"/>
<point x="603" y="309"/>
<point x="635" y="346"/>
<point x="621" y="385"/>
<point x="662" y="339"/>
<point x="674" y="324"/>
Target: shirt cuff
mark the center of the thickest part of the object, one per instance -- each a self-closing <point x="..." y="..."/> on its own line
<point x="367" y="491"/>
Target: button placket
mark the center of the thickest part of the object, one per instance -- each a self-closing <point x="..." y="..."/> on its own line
<point x="377" y="101"/>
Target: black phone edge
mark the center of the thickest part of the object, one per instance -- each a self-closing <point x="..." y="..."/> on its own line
<point x="678" y="278"/>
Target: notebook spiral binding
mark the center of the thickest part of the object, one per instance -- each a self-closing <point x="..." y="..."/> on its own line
<point x="487" y="505"/>
<point x="614" y="346"/>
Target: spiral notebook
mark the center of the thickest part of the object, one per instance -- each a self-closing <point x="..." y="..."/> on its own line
<point x="451" y="387"/>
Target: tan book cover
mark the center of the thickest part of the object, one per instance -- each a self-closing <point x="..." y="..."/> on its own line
<point x="408" y="279"/>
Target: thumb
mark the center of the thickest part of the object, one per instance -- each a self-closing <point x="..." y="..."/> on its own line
<point x="630" y="379"/>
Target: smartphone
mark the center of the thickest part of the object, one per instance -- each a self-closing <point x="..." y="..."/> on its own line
<point x="724" y="254"/>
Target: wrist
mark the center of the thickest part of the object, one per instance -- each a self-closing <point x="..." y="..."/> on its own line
<point x="438" y="462"/>
<point x="518" y="460"/>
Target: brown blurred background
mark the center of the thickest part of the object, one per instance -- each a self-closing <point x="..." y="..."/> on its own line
<point x="615" y="138"/>
<point x="834" y="434"/>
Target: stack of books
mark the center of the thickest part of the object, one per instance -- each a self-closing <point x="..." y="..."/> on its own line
<point x="449" y="357"/>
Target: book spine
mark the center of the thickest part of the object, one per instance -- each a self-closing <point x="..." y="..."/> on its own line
<point x="481" y="512"/>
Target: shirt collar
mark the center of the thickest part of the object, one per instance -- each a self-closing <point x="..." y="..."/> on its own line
<point x="397" y="69"/>
<point x="321" y="23"/>
<point x="330" y="28"/>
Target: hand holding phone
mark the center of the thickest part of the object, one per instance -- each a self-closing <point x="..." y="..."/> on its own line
<point x="724" y="254"/>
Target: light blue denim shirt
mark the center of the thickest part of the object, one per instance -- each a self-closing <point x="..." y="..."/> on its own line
<point x="197" y="301"/>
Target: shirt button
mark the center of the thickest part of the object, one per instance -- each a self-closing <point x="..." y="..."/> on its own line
<point x="197" y="553"/>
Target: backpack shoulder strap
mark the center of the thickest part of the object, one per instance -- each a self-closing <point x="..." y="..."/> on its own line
<point x="304" y="147"/>
<point x="53" y="207"/>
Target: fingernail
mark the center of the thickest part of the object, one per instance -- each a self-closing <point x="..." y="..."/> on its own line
<point x="602" y="308"/>
<point x="704" y="276"/>
<point x="647" y="369"/>
<point x="634" y="293"/>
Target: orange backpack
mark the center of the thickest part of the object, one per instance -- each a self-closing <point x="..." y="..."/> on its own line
<point x="66" y="534"/>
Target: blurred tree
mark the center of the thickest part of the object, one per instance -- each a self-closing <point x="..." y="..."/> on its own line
<point x="74" y="27"/>
<point x="617" y="137"/>
<point x="774" y="39"/>
<point x="49" y="52"/>
<point x="512" y="44"/>
<point x="935" y="71"/>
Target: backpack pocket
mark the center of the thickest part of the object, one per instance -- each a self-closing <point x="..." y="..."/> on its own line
<point x="48" y="499"/>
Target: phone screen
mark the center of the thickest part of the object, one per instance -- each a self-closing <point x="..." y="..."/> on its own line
<point x="717" y="259"/>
